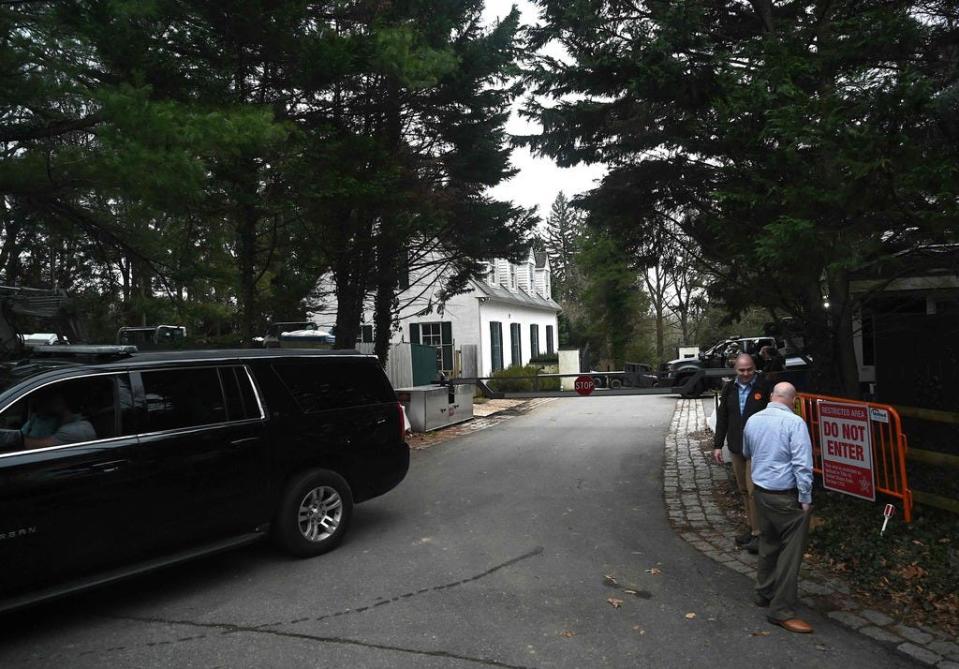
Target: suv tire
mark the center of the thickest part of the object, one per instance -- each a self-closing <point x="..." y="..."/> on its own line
<point x="314" y="513"/>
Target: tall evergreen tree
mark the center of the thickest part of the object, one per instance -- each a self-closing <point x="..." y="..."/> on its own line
<point x="613" y="302"/>
<point x="225" y="157"/>
<point x="807" y="137"/>
<point x="563" y="244"/>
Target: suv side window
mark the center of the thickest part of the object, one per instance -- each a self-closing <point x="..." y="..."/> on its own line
<point x="180" y="398"/>
<point x="75" y="410"/>
<point x="334" y="384"/>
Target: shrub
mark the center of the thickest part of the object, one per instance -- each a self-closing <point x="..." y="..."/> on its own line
<point x="506" y="381"/>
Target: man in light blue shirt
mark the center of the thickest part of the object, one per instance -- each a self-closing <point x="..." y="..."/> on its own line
<point x="778" y="442"/>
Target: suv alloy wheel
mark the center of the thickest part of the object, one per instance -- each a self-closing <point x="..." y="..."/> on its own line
<point x="314" y="514"/>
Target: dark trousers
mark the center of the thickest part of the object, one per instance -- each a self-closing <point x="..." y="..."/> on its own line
<point x="783" y="527"/>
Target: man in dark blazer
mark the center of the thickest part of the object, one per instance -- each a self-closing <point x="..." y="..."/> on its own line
<point x="746" y="395"/>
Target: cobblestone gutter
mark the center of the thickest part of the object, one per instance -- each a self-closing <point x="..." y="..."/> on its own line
<point x="689" y="480"/>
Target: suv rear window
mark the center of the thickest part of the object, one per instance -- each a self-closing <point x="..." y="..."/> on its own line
<point x="178" y="398"/>
<point x="320" y="385"/>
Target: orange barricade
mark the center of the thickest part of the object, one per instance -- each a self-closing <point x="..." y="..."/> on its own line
<point x="889" y="446"/>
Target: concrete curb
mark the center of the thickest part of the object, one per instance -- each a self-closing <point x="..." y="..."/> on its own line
<point x="689" y="478"/>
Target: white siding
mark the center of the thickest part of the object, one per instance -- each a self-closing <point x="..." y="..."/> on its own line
<point x="502" y="272"/>
<point x="508" y="314"/>
<point x="542" y="283"/>
<point x="468" y="317"/>
<point x="522" y="279"/>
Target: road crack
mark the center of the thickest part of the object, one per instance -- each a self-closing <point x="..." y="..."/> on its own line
<point x="266" y="628"/>
<point x="346" y="641"/>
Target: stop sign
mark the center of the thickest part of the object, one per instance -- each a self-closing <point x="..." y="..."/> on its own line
<point x="583" y="384"/>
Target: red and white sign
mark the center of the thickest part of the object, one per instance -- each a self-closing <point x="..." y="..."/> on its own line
<point x="583" y="384"/>
<point x="846" y="447"/>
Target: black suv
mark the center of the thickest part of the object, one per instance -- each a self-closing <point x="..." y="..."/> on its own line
<point x="114" y="462"/>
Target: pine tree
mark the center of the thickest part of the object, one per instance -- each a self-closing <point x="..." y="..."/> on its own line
<point x="563" y="244"/>
<point x="792" y="141"/>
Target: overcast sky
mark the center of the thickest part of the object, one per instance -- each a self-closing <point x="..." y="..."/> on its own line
<point x="539" y="179"/>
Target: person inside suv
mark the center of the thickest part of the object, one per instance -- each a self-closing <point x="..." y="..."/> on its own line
<point x="54" y="422"/>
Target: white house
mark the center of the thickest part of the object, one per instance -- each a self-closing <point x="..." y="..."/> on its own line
<point x="509" y="316"/>
<point x="503" y="319"/>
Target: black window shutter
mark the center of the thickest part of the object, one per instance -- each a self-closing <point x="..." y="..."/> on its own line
<point x="414" y="333"/>
<point x="446" y="328"/>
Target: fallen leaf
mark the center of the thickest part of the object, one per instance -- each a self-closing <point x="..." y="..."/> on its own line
<point x="609" y="580"/>
<point x="616" y="603"/>
<point x="654" y="571"/>
<point x="629" y="592"/>
<point x="639" y="629"/>
<point x="567" y="634"/>
<point x="690" y="615"/>
<point x="760" y="633"/>
<point x="912" y="571"/>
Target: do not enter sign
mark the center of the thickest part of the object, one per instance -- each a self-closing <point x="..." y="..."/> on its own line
<point x="583" y="384"/>
<point x="844" y="433"/>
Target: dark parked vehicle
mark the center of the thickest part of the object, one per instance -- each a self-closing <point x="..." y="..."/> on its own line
<point x="633" y="375"/>
<point x="676" y="372"/>
<point x="114" y="462"/>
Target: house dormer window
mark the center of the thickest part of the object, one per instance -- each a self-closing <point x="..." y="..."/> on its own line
<point x="512" y="276"/>
<point x="532" y="278"/>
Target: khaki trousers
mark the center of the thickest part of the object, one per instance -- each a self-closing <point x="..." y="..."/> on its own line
<point x="744" y="481"/>
<point x="783" y="527"/>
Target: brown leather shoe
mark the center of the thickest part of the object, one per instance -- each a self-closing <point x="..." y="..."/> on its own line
<point x="796" y="625"/>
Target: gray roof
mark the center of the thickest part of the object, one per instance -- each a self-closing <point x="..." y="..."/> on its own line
<point x="520" y="297"/>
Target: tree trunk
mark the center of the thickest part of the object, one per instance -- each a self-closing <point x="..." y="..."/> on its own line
<point x="391" y="240"/>
<point x="10" y="253"/>
<point x="384" y="303"/>
<point x="125" y="279"/>
<point x="657" y="295"/>
<point x="349" y="302"/>
<point x="247" y="214"/>
<point x="246" y="233"/>
<point x="351" y="272"/>
<point x="823" y="377"/>
<point x="841" y="310"/>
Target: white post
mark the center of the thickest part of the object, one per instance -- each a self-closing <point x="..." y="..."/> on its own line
<point x="568" y="364"/>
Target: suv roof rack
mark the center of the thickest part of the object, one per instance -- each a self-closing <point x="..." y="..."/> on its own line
<point x="75" y="351"/>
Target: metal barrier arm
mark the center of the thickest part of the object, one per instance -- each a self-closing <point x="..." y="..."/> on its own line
<point x="686" y="389"/>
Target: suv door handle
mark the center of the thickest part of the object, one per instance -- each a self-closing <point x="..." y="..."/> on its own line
<point x="107" y="467"/>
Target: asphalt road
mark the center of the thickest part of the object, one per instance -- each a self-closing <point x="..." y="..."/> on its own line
<point x="495" y="551"/>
